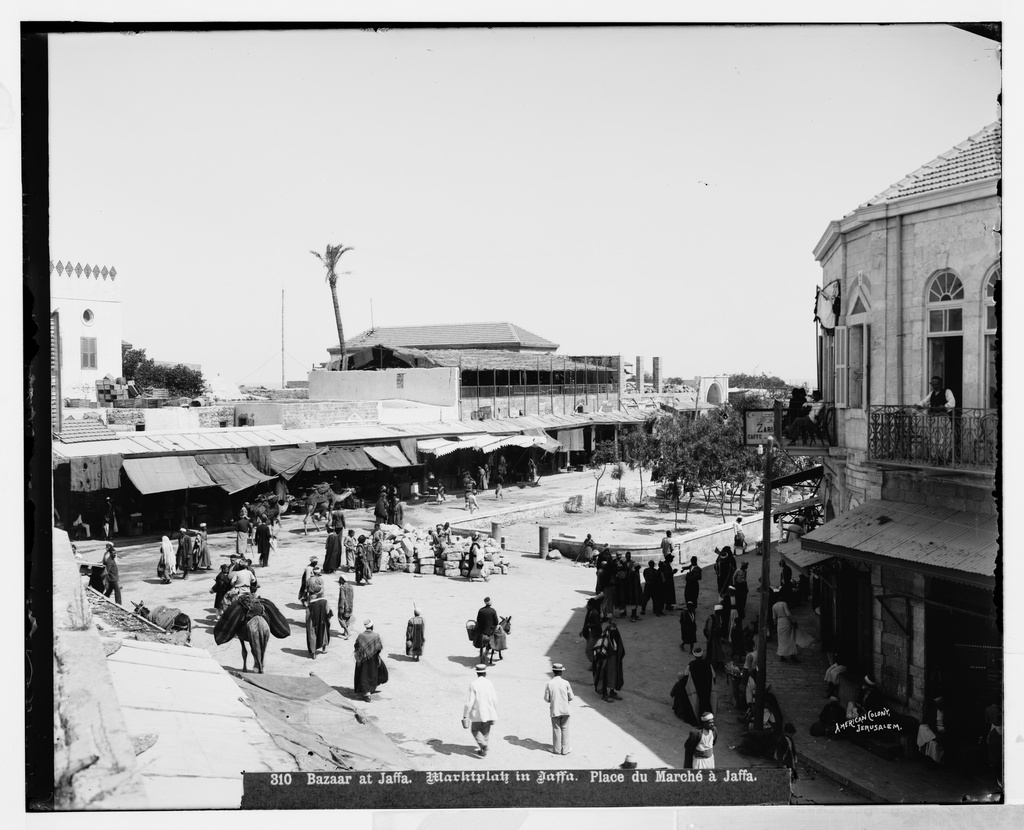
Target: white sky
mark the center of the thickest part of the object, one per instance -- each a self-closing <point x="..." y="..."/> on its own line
<point x="651" y="191"/>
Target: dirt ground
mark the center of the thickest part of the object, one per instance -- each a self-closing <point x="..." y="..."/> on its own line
<point x="420" y="708"/>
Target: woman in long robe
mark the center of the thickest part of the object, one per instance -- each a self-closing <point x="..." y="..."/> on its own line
<point x="695" y="692"/>
<point x="166" y="562"/>
<point x="202" y="552"/>
<point x="221" y="585"/>
<point x="692" y="575"/>
<point x="592" y="626"/>
<point x="415" y="635"/>
<point x="621" y="581"/>
<point x="318" y="616"/>
<point x="713" y="632"/>
<point x="668" y="587"/>
<point x="785" y="627"/>
<point x="725" y="567"/>
<point x="609" y="653"/>
<point x="367" y="652"/>
<point x="335" y="549"/>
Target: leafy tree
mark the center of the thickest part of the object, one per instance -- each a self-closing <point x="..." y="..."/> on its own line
<point x="179" y="380"/>
<point x="640" y="448"/>
<point x="773" y="384"/>
<point x="330" y="259"/>
<point x="675" y="382"/>
<point x="605" y="453"/>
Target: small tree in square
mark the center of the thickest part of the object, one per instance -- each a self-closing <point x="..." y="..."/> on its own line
<point x="641" y="450"/>
<point x="605" y="453"/>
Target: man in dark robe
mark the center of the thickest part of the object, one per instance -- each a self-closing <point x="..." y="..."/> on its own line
<point x="318" y="616"/>
<point x="668" y="582"/>
<point x="338" y="520"/>
<point x="608" y="655"/>
<point x="652" y="590"/>
<point x="415" y="635"/>
<point x="713" y="632"/>
<point x="367" y="653"/>
<point x="688" y="626"/>
<point x="633" y="590"/>
<point x="725" y="567"/>
<point x="740" y="581"/>
<point x="346" y="604"/>
<point x="726" y="602"/>
<point x="380" y="510"/>
<point x="692" y="575"/>
<point x="694" y="692"/>
<point x="335" y="550"/>
<point x="608" y="586"/>
<point x="307" y="574"/>
<point x="829" y="718"/>
<point x="262" y="539"/>
<point x="183" y="558"/>
<point x="364" y="562"/>
<point x="486" y="622"/>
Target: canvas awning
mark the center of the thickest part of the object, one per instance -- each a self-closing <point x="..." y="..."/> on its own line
<point x="167" y="473"/>
<point x="545" y="442"/>
<point x="571" y="439"/>
<point x="232" y="472"/>
<point x="440" y="447"/>
<point x="937" y="541"/>
<point x="388" y="455"/>
<point x="509" y="441"/>
<point x="287" y="463"/>
<point x="344" y="458"/>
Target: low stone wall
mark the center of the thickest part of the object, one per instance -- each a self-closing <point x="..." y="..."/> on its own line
<point x="94" y="764"/>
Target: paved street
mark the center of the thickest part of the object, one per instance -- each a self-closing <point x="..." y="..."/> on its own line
<point x="421" y="707"/>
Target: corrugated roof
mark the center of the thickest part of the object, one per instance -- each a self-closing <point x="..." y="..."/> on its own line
<point x="193" y="441"/>
<point x="976" y="159"/>
<point x="937" y="537"/>
<point x="449" y="335"/>
<point x="76" y="430"/>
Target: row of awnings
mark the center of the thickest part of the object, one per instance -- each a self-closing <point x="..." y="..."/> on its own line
<point x="486" y="443"/>
<point x="233" y="472"/>
<point x="230" y="472"/>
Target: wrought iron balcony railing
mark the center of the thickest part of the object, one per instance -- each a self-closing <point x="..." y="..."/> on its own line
<point x="959" y="438"/>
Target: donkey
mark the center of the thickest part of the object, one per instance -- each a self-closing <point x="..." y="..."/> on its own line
<point x="499" y="639"/>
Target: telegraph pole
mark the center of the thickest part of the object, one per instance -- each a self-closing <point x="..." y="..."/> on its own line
<point x="282" y="338"/>
<point x="766" y="547"/>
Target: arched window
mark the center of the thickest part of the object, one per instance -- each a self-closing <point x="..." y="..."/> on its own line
<point x="945" y="299"/>
<point x="991" y="353"/>
<point x="714" y="393"/>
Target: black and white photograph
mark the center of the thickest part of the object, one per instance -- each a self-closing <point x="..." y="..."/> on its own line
<point x="433" y="416"/>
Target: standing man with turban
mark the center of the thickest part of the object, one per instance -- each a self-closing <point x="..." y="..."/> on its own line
<point x="318" y="616"/>
<point x="415" y="635"/>
<point x="335" y="549"/>
<point x="184" y="555"/>
<point x="706" y="737"/>
<point x="486" y="622"/>
<point x="367" y="652"/>
<point x="346" y="604"/>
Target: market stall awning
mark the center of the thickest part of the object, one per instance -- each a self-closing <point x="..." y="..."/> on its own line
<point x="232" y="472"/>
<point x="571" y="439"/>
<point x="545" y="441"/>
<point x="509" y="441"/>
<point x="388" y="455"/>
<point x="287" y="463"/>
<point x="938" y="541"/>
<point x="444" y="446"/>
<point x="162" y="475"/>
<point x="344" y="458"/>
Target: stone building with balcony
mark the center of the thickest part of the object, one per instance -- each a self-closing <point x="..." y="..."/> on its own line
<point x="906" y="561"/>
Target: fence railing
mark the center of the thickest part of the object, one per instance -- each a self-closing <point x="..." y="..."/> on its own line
<point x="959" y="438"/>
<point x="542" y="390"/>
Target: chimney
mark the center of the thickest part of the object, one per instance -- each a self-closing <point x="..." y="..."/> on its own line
<point x="656" y="371"/>
<point x="639" y="371"/>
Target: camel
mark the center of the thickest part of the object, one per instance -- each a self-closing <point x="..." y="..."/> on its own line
<point x="322" y="499"/>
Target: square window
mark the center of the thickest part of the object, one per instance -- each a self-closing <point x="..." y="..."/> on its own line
<point x="955" y="319"/>
<point x="935" y="321"/>
<point x="990" y="317"/>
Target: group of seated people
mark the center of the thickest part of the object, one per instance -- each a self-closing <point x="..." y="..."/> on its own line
<point x="803" y="417"/>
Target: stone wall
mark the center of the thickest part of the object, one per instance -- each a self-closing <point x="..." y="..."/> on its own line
<point x="94" y="761"/>
<point x="308" y="414"/>
<point x="504" y="406"/>
<point x="172" y="417"/>
<point x="899" y="635"/>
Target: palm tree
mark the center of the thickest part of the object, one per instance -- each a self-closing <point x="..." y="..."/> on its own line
<point x="330" y="259"/>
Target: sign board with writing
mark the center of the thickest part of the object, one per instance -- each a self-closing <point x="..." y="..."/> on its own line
<point x="355" y="790"/>
<point x="758" y="426"/>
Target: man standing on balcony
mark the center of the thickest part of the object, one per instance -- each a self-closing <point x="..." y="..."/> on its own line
<point x="938" y="401"/>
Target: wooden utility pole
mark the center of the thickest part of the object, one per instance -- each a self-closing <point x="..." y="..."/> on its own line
<point x="282" y="339"/>
<point x="766" y="591"/>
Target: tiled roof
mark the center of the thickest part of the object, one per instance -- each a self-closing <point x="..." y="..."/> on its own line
<point x="976" y="159"/>
<point x="76" y="430"/>
<point x="453" y="335"/>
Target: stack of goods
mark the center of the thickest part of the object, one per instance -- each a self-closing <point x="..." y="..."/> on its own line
<point x="108" y="391"/>
<point x="498" y="559"/>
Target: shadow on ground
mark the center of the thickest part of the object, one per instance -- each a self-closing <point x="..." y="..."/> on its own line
<point x="528" y="743"/>
<point x="441" y="747"/>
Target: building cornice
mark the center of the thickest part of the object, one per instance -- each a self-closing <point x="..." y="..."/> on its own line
<point x="918" y="203"/>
